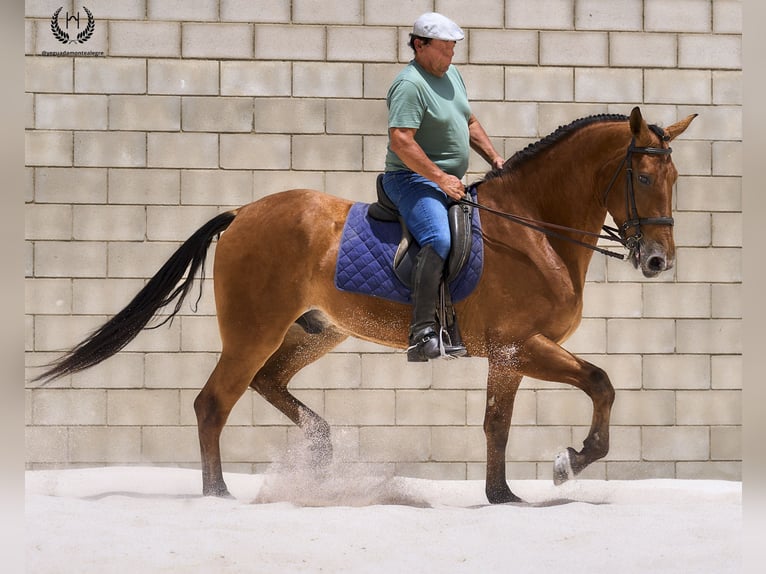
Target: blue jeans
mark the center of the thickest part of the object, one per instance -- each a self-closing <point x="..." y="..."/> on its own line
<point x="423" y="206"/>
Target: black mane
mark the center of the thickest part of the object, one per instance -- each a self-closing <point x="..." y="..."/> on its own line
<point x="561" y="132"/>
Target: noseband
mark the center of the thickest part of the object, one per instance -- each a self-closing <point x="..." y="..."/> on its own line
<point x="633" y="220"/>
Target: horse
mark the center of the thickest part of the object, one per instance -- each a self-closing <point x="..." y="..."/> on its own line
<point x="278" y="309"/>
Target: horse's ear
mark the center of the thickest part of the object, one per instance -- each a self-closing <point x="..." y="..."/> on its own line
<point x="679" y="127"/>
<point x="636" y="121"/>
<point x="638" y="127"/>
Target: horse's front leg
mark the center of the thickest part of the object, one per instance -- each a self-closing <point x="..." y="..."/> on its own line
<point x="502" y="384"/>
<point x="543" y="359"/>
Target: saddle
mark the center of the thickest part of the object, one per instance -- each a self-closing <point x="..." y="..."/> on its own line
<point x="406" y="253"/>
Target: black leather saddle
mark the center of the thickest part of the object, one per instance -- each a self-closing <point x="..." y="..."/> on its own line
<point x="460" y="216"/>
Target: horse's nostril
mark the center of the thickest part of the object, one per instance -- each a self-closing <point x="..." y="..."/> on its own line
<point x="656" y="263"/>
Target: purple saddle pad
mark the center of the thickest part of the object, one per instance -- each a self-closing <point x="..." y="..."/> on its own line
<point x="366" y="255"/>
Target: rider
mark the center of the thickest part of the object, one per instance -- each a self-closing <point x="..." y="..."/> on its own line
<point x="430" y="129"/>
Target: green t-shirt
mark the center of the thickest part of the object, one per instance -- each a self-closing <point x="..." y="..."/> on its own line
<point x="438" y="108"/>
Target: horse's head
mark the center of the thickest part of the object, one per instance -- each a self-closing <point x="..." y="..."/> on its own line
<point x="643" y="210"/>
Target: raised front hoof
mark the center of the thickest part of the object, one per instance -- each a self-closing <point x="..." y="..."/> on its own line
<point x="501" y="495"/>
<point x="562" y="467"/>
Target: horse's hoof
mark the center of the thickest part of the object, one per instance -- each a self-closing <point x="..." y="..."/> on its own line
<point x="501" y="496"/>
<point x="218" y="491"/>
<point x="562" y="468"/>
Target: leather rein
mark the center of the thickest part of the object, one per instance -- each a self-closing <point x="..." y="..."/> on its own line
<point x="618" y="235"/>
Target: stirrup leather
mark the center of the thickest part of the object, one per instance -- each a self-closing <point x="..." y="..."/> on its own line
<point x="450" y="342"/>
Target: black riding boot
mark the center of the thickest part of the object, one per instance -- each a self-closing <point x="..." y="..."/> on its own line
<point x="424" y="329"/>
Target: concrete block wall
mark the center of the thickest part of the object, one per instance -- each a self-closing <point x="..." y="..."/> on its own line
<point x="180" y="110"/>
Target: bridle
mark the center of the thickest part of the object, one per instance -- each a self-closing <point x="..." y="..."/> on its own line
<point x="618" y="235"/>
<point x="633" y="220"/>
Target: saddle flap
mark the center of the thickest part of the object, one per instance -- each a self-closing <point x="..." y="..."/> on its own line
<point x="403" y="249"/>
<point x="460" y="230"/>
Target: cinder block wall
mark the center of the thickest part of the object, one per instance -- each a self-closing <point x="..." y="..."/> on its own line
<point x="196" y="106"/>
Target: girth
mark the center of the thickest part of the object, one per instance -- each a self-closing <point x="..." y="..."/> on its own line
<point x="404" y="259"/>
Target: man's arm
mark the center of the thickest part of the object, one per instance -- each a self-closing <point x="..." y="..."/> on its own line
<point x="481" y="143"/>
<point x="403" y="144"/>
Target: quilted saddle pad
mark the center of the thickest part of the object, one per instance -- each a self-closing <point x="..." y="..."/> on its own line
<point x="366" y="254"/>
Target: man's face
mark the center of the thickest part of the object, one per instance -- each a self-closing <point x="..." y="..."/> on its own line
<point x="436" y="56"/>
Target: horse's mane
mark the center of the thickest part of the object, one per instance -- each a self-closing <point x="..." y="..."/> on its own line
<point x="548" y="141"/>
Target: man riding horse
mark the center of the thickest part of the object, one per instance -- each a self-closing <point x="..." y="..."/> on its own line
<point x="430" y="129"/>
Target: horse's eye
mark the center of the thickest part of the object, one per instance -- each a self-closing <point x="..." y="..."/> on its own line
<point x="644" y="179"/>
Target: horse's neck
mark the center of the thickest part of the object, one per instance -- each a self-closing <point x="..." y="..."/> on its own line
<point x="571" y="178"/>
<point x="564" y="185"/>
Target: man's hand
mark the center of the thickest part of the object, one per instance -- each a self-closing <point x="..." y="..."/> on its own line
<point x="452" y="186"/>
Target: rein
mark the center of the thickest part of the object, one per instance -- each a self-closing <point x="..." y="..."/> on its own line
<point x="549" y="229"/>
<point x="618" y="235"/>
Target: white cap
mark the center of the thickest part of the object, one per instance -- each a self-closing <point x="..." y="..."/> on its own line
<point x="434" y="25"/>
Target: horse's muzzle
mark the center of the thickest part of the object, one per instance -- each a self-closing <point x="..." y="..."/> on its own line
<point x="652" y="258"/>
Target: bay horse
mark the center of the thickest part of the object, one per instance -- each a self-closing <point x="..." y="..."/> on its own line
<point x="278" y="309"/>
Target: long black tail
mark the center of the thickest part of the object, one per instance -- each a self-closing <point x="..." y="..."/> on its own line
<point x="161" y="289"/>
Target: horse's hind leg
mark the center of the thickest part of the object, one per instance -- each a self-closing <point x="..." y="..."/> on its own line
<point x="230" y="379"/>
<point x="226" y="384"/>
<point x="302" y="345"/>
<point x="546" y="360"/>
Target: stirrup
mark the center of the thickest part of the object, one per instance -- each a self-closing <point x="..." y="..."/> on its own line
<point x="430" y="345"/>
<point x="447" y="349"/>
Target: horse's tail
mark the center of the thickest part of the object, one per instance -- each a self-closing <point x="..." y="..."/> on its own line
<point x="161" y="289"/>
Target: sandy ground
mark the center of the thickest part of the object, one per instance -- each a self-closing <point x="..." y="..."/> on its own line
<point x="154" y="520"/>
